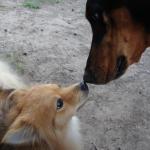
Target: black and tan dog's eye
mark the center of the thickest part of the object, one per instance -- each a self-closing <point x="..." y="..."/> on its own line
<point x="96" y="15"/>
<point x="60" y="103"/>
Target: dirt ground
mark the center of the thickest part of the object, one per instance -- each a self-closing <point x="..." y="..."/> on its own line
<point x="51" y="45"/>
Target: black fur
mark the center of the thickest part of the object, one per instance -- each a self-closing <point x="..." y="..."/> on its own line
<point x="139" y="9"/>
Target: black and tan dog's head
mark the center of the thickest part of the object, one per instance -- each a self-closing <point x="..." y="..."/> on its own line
<point x="120" y="35"/>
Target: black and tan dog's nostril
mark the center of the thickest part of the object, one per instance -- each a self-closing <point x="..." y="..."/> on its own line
<point x="121" y="66"/>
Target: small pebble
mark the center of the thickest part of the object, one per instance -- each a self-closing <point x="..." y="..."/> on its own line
<point x="75" y="34"/>
<point x="25" y="54"/>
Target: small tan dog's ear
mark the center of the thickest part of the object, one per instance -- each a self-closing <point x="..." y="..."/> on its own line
<point x="21" y="136"/>
<point x="5" y="93"/>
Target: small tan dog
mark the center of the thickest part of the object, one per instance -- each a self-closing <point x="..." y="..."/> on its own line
<point x="39" y="117"/>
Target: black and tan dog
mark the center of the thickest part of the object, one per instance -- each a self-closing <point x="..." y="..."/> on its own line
<point x="120" y="35"/>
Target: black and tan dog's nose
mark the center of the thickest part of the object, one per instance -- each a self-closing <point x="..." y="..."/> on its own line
<point x="89" y="77"/>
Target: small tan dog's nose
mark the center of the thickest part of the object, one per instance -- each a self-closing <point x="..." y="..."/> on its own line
<point x="84" y="86"/>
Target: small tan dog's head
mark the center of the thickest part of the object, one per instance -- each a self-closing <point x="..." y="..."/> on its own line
<point x="41" y="113"/>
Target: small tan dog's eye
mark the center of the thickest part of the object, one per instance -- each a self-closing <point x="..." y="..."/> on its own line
<point x="60" y="103"/>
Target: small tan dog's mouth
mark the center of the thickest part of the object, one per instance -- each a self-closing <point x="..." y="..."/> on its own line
<point x="85" y="91"/>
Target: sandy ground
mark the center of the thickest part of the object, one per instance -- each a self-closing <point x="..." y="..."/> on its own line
<point x="51" y="45"/>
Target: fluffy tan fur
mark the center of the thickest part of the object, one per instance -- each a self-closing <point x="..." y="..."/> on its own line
<point x="30" y="119"/>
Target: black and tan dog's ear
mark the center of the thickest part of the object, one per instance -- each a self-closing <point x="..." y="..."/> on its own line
<point x="4" y="93"/>
<point x="22" y="136"/>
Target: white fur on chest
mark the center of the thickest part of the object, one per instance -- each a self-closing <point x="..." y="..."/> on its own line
<point x="73" y="133"/>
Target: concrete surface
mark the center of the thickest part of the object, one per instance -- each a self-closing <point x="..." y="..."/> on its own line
<point x="51" y="44"/>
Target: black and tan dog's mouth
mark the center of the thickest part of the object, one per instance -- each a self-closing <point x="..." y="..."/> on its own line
<point x="121" y="66"/>
<point x="96" y="78"/>
<point x="99" y="76"/>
